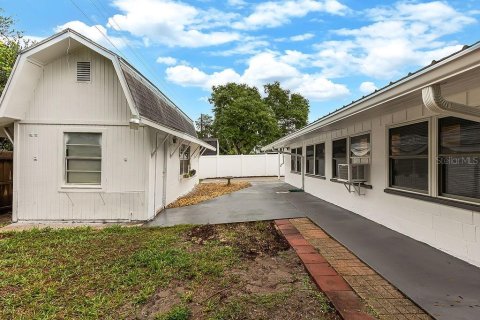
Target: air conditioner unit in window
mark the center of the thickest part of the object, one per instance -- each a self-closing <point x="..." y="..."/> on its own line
<point x="354" y="173"/>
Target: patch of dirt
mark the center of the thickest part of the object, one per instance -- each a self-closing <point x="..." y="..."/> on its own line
<point x="256" y="238"/>
<point x="267" y="287"/>
<point x="5" y="219"/>
<point x="207" y="191"/>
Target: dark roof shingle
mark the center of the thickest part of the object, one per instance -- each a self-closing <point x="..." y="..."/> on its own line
<point x="154" y="106"/>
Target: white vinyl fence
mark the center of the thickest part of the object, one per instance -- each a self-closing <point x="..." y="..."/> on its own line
<point x="255" y="165"/>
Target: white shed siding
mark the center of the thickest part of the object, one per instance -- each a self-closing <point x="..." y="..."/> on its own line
<point x="59" y="103"/>
<point x="450" y="229"/>
<point x="58" y="97"/>
<point x="177" y="185"/>
<point x="40" y="178"/>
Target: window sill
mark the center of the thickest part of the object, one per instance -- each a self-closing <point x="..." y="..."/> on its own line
<point x="296" y="172"/>
<point x="363" y="185"/>
<point x="448" y="202"/>
<point x="80" y="188"/>
<point x="315" y="176"/>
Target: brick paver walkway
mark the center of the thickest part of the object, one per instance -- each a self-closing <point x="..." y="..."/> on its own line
<point x="383" y="298"/>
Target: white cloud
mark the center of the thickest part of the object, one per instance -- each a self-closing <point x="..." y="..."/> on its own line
<point x="405" y="34"/>
<point x="367" y="87"/>
<point x="248" y="46"/>
<point x="302" y="37"/>
<point x="276" y="13"/>
<point x="237" y="3"/>
<point x="172" y="23"/>
<point x="169" y="61"/>
<point x="96" y="33"/>
<point x="261" y="69"/>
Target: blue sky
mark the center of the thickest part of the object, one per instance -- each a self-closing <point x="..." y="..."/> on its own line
<point x="331" y="51"/>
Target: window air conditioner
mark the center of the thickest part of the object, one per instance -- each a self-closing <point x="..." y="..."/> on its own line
<point x="352" y="172"/>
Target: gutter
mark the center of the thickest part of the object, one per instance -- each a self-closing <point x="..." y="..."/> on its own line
<point x="434" y="101"/>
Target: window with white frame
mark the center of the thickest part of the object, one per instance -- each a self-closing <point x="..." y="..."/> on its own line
<point x="408" y="155"/>
<point x="184" y="154"/>
<point x="339" y="155"/>
<point x="459" y="158"/>
<point x="83" y="158"/>
<point x="315" y="160"/>
<point x="296" y="160"/>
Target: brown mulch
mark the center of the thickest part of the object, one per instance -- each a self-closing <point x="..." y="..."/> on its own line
<point x="207" y="191"/>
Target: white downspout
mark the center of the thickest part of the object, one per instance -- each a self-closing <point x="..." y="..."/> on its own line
<point x="434" y="101"/>
<point x="165" y="171"/>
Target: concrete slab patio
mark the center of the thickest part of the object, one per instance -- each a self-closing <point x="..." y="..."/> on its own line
<point x="444" y="286"/>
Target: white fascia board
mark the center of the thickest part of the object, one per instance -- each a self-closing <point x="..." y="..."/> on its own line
<point x="457" y="64"/>
<point x="178" y="134"/>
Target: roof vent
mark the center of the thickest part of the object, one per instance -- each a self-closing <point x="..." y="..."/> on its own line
<point x="83" y="71"/>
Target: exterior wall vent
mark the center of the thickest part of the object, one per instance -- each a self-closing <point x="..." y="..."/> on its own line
<point x="83" y="71"/>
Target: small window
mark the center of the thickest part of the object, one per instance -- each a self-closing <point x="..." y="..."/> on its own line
<point x="83" y="158"/>
<point x="309" y="165"/>
<point x="320" y="159"/>
<point x="339" y="155"/>
<point x="409" y="157"/>
<point x="83" y="71"/>
<point x="459" y="158"/>
<point x="184" y="159"/>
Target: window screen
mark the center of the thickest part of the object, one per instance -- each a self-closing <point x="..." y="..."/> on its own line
<point x="296" y="161"/>
<point x="83" y="158"/>
<point x="309" y="160"/>
<point x="459" y="158"/>
<point x="320" y="159"/>
<point x="339" y="155"/>
<point x="184" y="154"/>
<point x="409" y="156"/>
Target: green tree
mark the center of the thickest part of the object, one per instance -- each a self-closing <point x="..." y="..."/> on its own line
<point x="291" y="110"/>
<point x="204" y="126"/>
<point x="243" y="121"/>
<point x="11" y="42"/>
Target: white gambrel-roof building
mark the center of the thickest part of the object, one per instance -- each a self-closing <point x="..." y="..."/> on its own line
<point x="94" y="140"/>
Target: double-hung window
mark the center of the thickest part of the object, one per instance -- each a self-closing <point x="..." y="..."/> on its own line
<point x="296" y="160"/>
<point x="309" y="160"/>
<point x="339" y="155"/>
<point x="320" y="159"/>
<point x="459" y="158"/>
<point x="184" y="154"/>
<point x="408" y="157"/>
<point x="83" y="158"/>
<point x="315" y="160"/>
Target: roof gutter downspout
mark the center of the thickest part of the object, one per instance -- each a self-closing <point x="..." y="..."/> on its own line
<point x="434" y="101"/>
<point x="165" y="167"/>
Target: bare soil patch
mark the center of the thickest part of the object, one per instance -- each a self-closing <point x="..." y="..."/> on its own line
<point x="207" y="191"/>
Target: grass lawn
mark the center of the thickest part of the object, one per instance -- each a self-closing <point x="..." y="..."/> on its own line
<point x="241" y="271"/>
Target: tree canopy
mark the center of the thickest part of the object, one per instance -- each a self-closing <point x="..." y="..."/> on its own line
<point x="11" y="42"/>
<point x="204" y="126"/>
<point x="291" y="110"/>
<point x="244" y="121"/>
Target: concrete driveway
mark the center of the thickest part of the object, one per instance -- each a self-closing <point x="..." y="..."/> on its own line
<point x="444" y="286"/>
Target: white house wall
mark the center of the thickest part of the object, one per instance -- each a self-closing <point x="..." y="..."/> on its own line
<point x="447" y="228"/>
